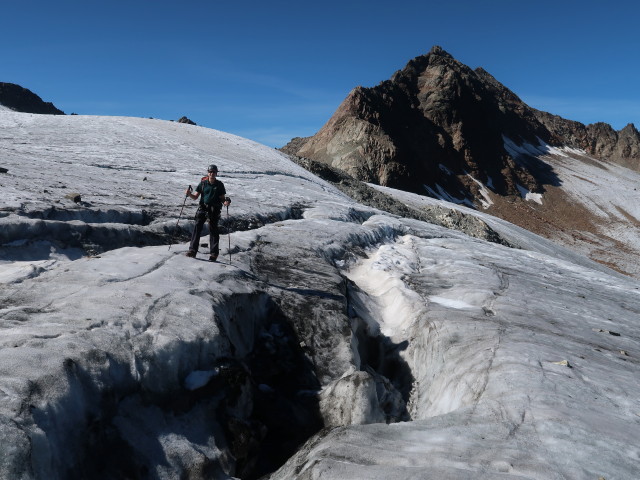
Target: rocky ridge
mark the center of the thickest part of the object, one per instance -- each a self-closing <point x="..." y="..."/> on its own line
<point x="597" y="139"/>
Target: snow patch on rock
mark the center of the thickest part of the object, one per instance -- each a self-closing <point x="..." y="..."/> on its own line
<point x="528" y="195"/>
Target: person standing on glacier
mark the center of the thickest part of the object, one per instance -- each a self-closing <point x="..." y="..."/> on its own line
<point x="213" y="197"/>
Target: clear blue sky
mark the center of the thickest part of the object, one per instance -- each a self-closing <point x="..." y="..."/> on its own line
<point x="273" y="70"/>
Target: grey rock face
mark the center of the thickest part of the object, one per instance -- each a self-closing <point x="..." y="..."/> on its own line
<point x="627" y="149"/>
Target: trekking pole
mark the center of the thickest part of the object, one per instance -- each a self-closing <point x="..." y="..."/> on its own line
<point x="229" y="234"/>
<point x="183" y="203"/>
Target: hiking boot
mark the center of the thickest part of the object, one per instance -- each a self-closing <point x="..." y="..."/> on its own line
<point x="191" y="254"/>
<point x="213" y="258"/>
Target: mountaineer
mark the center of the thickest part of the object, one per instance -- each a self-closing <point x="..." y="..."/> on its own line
<point x="212" y="196"/>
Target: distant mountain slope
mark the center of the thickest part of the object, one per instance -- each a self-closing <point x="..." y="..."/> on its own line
<point x="441" y="129"/>
<point x="23" y="100"/>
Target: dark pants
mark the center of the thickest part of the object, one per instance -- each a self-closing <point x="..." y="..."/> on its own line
<point x="204" y="213"/>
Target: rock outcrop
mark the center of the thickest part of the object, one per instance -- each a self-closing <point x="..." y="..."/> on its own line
<point x="23" y="100"/>
<point x="186" y="120"/>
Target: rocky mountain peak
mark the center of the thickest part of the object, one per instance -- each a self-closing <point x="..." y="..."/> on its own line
<point x="438" y="124"/>
<point x="433" y="115"/>
<point x="23" y="100"/>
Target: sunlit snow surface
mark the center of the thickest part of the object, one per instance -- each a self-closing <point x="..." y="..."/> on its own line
<point x="524" y="362"/>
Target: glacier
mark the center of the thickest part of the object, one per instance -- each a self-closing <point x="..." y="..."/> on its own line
<point x="332" y="340"/>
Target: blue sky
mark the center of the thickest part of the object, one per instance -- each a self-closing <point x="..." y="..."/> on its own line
<point x="270" y="71"/>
